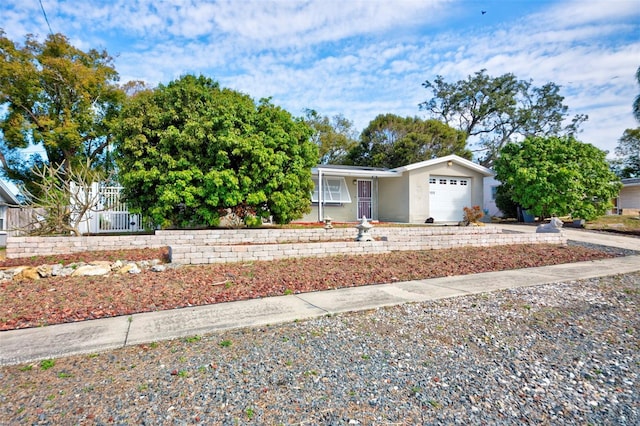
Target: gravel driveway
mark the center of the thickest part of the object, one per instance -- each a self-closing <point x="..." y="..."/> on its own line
<point x="566" y="353"/>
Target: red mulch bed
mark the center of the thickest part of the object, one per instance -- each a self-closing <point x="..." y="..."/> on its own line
<point x="68" y="299"/>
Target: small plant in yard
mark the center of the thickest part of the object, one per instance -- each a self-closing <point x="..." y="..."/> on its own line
<point x="64" y="375"/>
<point x="46" y="364"/>
<point x="225" y="343"/>
<point x="250" y="413"/>
<point x="472" y="214"/>
<point x="288" y="291"/>
<point x="180" y="373"/>
<point x="26" y="368"/>
<point x="193" y="339"/>
<point x="435" y="404"/>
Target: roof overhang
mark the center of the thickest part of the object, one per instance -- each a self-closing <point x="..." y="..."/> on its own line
<point x="630" y="182"/>
<point x="346" y="171"/>
<point x="6" y="196"/>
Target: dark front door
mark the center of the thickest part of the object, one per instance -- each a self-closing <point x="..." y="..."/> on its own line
<point x="364" y="199"/>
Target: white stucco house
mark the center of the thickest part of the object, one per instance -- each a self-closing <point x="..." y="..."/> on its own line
<point x="439" y="188"/>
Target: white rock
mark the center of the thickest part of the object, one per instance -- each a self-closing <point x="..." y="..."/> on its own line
<point x="91" y="270"/>
<point x="158" y="268"/>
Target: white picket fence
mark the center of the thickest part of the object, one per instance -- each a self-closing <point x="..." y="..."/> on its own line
<point x="109" y="213"/>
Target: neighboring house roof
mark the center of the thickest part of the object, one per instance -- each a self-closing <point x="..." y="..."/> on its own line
<point x="6" y="196"/>
<point x="358" y="171"/>
<point x="453" y="158"/>
<point x="630" y="182"/>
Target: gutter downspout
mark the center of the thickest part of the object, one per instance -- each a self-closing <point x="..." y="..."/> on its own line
<point x="320" y="198"/>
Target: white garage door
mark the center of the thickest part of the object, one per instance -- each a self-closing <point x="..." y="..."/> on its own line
<point x="448" y="195"/>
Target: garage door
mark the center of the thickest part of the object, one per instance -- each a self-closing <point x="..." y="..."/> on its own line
<point x="448" y="195"/>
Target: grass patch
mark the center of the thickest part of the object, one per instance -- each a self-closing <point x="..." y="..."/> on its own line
<point x="615" y="222"/>
<point x="46" y="364"/>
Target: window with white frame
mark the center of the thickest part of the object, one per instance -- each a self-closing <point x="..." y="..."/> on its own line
<point x="334" y="190"/>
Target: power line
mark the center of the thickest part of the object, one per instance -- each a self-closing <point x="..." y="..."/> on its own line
<point x="45" y="17"/>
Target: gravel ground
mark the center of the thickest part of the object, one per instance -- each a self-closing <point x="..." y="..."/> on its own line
<point x="565" y="353"/>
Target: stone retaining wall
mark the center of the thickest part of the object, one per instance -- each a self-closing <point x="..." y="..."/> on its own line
<point x="212" y="246"/>
<point x="204" y="254"/>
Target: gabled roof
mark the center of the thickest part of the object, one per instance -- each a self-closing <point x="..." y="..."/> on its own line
<point x="359" y="171"/>
<point x="453" y="158"/>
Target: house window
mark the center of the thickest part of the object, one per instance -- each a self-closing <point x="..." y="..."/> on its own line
<point x="334" y="190"/>
<point x="494" y="192"/>
<point x="443" y="181"/>
<point x="463" y="182"/>
<point x="453" y="182"/>
<point x="432" y="180"/>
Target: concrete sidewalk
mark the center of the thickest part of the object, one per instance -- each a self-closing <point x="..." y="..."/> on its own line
<point x="20" y="346"/>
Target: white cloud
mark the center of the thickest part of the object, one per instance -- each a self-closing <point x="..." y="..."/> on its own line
<point x="360" y="58"/>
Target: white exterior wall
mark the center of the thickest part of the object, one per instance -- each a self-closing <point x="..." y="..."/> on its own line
<point x="489" y="203"/>
<point x="393" y="194"/>
<point x="629" y="197"/>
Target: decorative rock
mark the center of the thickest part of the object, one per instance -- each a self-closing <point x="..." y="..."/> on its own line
<point x="96" y="268"/>
<point x="60" y="271"/>
<point x="129" y="268"/>
<point x="134" y="269"/>
<point x="102" y="263"/>
<point x="45" y="271"/>
<point x="27" y="273"/>
<point x="91" y="270"/>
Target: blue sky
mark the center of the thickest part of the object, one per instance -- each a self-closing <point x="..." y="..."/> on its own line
<point x="362" y="58"/>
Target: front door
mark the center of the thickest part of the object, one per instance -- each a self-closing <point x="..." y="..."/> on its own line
<point x="364" y="199"/>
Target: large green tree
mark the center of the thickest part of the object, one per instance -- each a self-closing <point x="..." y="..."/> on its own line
<point x="191" y="150"/>
<point x="392" y="141"/>
<point x="335" y="136"/>
<point x="58" y="97"/>
<point x="628" y="150"/>
<point x="493" y="111"/>
<point x="557" y="176"/>
<point x="636" y="102"/>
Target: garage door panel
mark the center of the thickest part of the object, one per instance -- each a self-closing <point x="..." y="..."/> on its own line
<point x="448" y="195"/>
